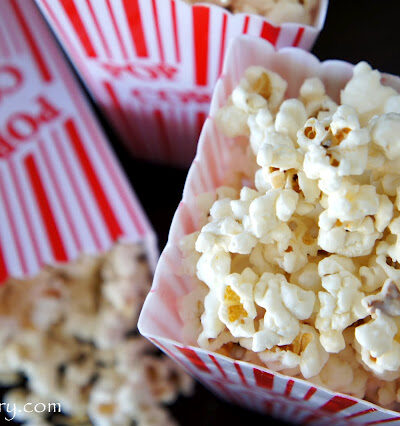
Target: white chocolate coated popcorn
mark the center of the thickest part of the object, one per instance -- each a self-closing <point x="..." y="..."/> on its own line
<point x="300" y="261"/>
<point x="277" y="11"/>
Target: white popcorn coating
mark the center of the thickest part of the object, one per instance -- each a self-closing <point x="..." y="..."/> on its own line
<point x="302" y="260"/>
<point x="70" y="339"/>
<point x="277" y="11"/>
<point x="340" y="304"/>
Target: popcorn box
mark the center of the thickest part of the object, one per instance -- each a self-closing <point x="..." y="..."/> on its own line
<point x="62" y="191"/>
<point x="250" y="385"/>
<point x="151" y="65"/>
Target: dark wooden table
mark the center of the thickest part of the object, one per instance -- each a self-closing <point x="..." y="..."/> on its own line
<point x="355" y="30"/>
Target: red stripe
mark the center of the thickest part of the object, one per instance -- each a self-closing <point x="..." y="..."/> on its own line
<point x="263" y="379"/>
<point x="163" y="132"/>
<point x="201" y="17"/>
<point x="309" y="393"/>
<point x="338" y="403"/>
<point x="116" y="29"/>
<point x="201" y="118"/>
<point x="176" y="34"/>
<point x="102" y="201"/>
<point x="3" y="267"/>
<point x="37" y="55"/>
<point x="270" y="32"/>
<point x="13" y="225"/>
<point x="60" y="195"/>
<point x="135" y="23"/>
<point x="26" y="213"/>
<point x="361" y="413"/>
<point x="118" y="107"/>
<point x="44" y="206"/>
<point x="240" y="372"/>
<point x="298" y="37"/>
<point x="246" y="24"/>
<point x="76" y="190"/>
<point x="121" y="186"/>
<point x="80" y="30"/>
<point x="222" y="47"/>
<point x="217" y="364"/>
<point x="194" y="359"/>
<point x="158" y="33"/>
<point x="378" y="422"/>
<point x="289" y="387"/>
<point x="98" y="29"/>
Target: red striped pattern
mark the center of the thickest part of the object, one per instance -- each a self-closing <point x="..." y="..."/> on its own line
<point x="14" y="227"/>
<point x="104" y="204"/>
<point x="3" y="267"/>
<point x="63" y="193"/>
<point x="99" y="30"/>
<point x="158" y="32"/>
<point x="270" y="32"/>
<point x="116" y="29"/>
<point x="338" y="403"/>
<point x="298" y="37"/>
<point x="80" y="30"/>
<point x="310" y="393"/>
<point x="43" y="203"/>
<point x="135" y="22"/>
<point x="263" y="379"/>
<point x="201" y="22"/>
<point x="194" y="359"/>
<point x="176" y="31"/>
<point x="289" y="387"/>
<point x="33" y="44"/>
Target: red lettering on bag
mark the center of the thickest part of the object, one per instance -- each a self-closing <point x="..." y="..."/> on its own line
<point x="145" y="72"/>
<point x="24" y="125"/>
<point x="11" y="80"/>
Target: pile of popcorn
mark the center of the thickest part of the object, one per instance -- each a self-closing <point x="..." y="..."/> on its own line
<point x="71" y="331"/>
<point x="276" y="11"/>
<point x="298" y="261"/>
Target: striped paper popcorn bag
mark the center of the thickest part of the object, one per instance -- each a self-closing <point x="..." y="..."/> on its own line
<point x="151" y="65"/>
<point x="62" y="192"/>
<point x="244" y="383"/>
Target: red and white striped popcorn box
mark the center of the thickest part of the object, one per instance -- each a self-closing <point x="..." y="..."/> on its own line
<point x="151" y="65"/>
<point x="62" y="192"/>
<point x="291" y="399"/>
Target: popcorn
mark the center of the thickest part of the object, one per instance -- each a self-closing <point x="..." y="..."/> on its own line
<point x="365" y="93"/>
<point x="342" y="373"/>
<point x="375" y="343"/>
<point x="70" y="327"/>
<point x="340" y="303"/>
<point x="304" y="353"/>
<point x="278" y="11"/>
<point x="385" y="134"/>
<point x="298" y="266"/>
<point x="285" y="304"/>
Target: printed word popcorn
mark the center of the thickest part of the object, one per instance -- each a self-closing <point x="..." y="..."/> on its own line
<point x="298" y="261"/>
<point x="71" y="331"/>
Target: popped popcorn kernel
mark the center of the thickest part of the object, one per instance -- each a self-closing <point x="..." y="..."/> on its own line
<point x="302" y="267"/>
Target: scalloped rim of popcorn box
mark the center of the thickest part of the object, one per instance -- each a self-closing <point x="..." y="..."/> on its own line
<point x="169" y="286"/>
<point x="188" y="40"/>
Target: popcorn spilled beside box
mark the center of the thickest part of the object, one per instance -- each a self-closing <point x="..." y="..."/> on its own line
<point x="71" y="331"/>
<point x="277" y="11"/>
<point x="298" y="258"/>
